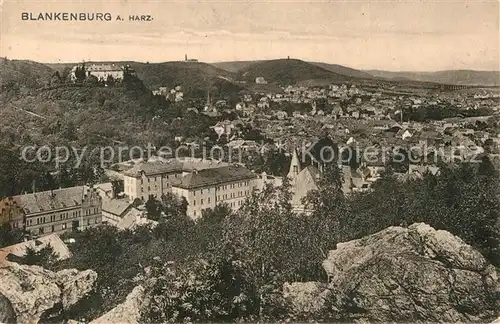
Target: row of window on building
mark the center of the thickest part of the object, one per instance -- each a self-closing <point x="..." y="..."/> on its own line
<point x="64" y="226"/>
<point x="234" y="185"/>
<point x="233" y="195"/>
<point x="225" y="187"/>
<point x="62" y="216"/>
<point x="225" y="196"/>
<point x="156" y="187"/>
<point x="233" y="204"/>
<point x="159" y="178"/>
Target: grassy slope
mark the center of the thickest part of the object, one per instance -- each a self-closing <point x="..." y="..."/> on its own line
<point x="26" y="74"/>
<point x="289" y="71"/>
<point x="234" y="66"/>
<point x="344" y="70"/>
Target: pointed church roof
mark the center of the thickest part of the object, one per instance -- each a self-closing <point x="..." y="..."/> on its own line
<point x="306" y="181"/>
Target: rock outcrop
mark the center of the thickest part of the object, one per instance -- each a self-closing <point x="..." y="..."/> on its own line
<point x="126" y="313"/>
<point x="28" y="293"/>
<point x="309" y="297"/>
<point x="403" y="274"/>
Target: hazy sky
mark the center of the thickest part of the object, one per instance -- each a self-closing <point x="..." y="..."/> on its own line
<point x="392" y="35"/>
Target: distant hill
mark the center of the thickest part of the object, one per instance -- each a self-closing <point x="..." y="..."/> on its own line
<point x="344" y="70"/>
<point x="288" y="71"/>
<point x="192" y="76"/>
<point x="234" y="66"/>
<point x="460" y="77"/>
<point x="23" y="74"/>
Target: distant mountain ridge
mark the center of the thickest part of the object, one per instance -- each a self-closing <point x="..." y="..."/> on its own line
<point x="196" y="77"/>
<point x="288" y="72"/>
<point x="344" y="70"/>
<point x="23" y="73"/>
<point x="459" y="77"/>
<point x="236" y="66"/>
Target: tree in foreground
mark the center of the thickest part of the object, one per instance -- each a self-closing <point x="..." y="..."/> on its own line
<point x="9" y="235"/>
<point x="45" y="257"/>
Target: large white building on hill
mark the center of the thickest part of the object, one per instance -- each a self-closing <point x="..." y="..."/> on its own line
<point x="100" y="71"/>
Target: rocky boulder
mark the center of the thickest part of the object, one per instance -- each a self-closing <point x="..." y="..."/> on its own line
<point x="126" y="313"/>
<point x="406" y="274"/>
<point x="308" y="297"/>
<point x="28" y="293"/>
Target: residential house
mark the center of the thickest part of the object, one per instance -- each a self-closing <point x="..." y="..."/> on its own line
<point x="162" y="91"/>
<point x="405" y="134"/>
<point x="265" y="179"/>
<point x="223" y="128"/>
<point x="249" y="109"/>
<point x="133" y="219"/>
<point x="240" y="106"/>
<point x="18" y="251"/>
<point x="242" y="145"/>
<point x="359" y="180"/>
<point x="281" y="114"/>
<point x="114" y="210"/>
<point x="260" y="80"/>
<point x="179" y="96"/>
<point x="418" y="171"/>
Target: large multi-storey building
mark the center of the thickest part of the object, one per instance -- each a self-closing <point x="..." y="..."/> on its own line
<point x="155" y="177"/>
<point x="150" y="178"/>
<point x="55" y="211"/>
<point x="203" y="183"/>
<point x="207" y="188"/>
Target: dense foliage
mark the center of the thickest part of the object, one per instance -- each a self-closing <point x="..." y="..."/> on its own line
<point x="265" y="243"/>
<point x="20" y="77"/>
<point x="442" y="111"/>
<point x="230" y="266"/>
<point x="464" y="200"/>
<point x="9" y="235"/>
<point x="20" y="176"/>
<point x="45" y="257"/>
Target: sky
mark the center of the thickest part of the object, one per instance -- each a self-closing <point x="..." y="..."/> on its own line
<point x="397" y="35"/>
